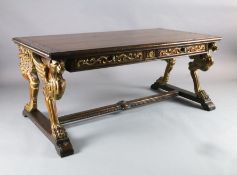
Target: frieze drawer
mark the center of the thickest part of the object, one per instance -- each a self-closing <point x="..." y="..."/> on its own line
<point x="100" y="61"/>
<point x="183" y="50"/>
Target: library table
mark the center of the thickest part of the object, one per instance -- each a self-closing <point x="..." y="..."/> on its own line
<point x="45" y="58"/>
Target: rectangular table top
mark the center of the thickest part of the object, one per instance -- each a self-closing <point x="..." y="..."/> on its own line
<point x="66" y="45"/>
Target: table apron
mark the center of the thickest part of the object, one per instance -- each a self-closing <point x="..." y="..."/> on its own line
<point x="88" y="62"/>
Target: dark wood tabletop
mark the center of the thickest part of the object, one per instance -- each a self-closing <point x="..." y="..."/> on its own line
<point x="55" y="46"/>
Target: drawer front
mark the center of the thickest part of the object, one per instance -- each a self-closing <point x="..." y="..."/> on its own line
<point x="101" y="61"/>
<point x="115" y="59"/>
<point x="183" y="50"/>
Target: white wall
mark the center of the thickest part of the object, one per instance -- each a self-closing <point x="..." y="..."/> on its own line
<point x="28" y="17"/>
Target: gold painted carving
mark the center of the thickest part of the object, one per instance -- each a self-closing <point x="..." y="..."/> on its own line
<point x="202" y="62"/>
<point x="51" y="72"/>
<point x="116" y="59"/>
<point x="151" y="55"/>
<point x="29" y="73"/>
<point x="196" y="48"/>
<point x="170" y="52"/>
<point x="182" y="50"/>
<point x="170" y="64"/>
<point x="132" y="57"/>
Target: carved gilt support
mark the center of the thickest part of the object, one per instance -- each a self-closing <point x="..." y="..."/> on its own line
<point x="28" y="71"/>
<point x="202" y="62"/>
<point x="165" y="78"/>
<point x="51" y="73"/>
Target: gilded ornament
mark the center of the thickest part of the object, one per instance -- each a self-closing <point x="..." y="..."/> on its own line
<point x="170" y="52"/>
<point x="196" y="48"/>
<point x="51" y="73"/>
<point x="112" y="59"/>
<point x="28" y="71"/>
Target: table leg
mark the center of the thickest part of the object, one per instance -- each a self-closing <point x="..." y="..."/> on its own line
<point x="202" y="62"/>
<point x="54" y="86"/>
<point x="164" y="79"/>
<point x="29" y="73"/>
<point x="50" y="71"/>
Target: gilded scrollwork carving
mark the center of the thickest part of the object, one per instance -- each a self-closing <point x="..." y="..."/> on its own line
<point x="136" y="56"/>
<point x="26" y="63"/>
<point x="170" y="52"/>
<point x="182" y="50"/>
<point x="112" y="59"/>
<point x="196" y="48"/>
<point x="28" y="71"/>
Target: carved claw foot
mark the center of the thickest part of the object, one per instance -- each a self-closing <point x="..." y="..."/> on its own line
<point x="205" y="101"/>
<point x="62" y="142"/>
<point x="203" y="95"/>
<point x="58" y="132"/>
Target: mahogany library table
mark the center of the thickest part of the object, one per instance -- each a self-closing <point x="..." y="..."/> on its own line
<point x="47" y="57"/>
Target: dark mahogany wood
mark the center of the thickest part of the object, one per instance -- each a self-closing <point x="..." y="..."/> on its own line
<point x="207" y="104"/>
<point x="63" y="148"/>
<point x="120" y="106"/>
<point x="72" y="45"/>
